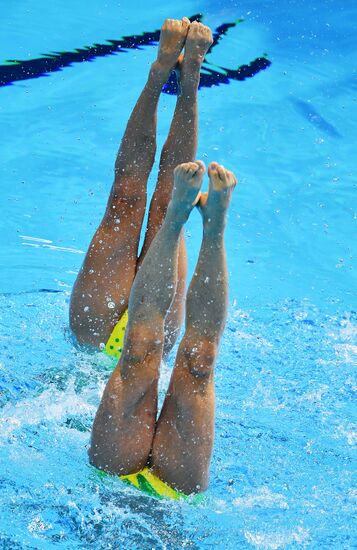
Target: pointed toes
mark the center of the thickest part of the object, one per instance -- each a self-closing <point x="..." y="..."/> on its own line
<point x="220" y="176"/>
<point x="196" y="168"/>
<point x="191" y="169"/>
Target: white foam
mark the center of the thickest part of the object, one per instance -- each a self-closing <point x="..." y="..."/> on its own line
<point x="262" y="397"/>
<point x="51" y="405"/>
<point x="315" y="395"/>
<point x="349" y="432"/>
<point x="274" y="541"/>
<point x="254" y="339"/>
<point x="346" y="353"/>
<point x="263" y="498"/>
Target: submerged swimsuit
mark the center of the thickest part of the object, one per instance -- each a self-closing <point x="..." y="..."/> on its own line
<point x="144" y="480"/>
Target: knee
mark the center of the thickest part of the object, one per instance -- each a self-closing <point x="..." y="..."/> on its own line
<point x="143" y="343"/>
<point x="136" y="155"/>
<point x="125" y="197"/>
<point x="122" y="217"/>
<point x="200" y="357"/>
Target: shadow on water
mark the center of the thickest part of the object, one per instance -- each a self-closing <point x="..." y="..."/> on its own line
<point x="308" y="111"/>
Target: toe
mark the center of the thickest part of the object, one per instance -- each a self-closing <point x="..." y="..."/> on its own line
<point x="180" y="168"/>
<point x="185" y="25"/>
<point x="231" y="178"/>
<point x="212" y="168"/>
<point x="214" y="178"/>
<point x="186" y="168"/>
<point x="221" y="172"/>
<point x="191" y="167"/>
<point x="201" y="167"/>
<point x="193" y="27"/>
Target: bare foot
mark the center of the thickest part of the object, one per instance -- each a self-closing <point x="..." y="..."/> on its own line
<point x="172" y="39"/>
<point x="214" y="204"/>
<point x="199" y="39"/>
<point x="186" y="190"/>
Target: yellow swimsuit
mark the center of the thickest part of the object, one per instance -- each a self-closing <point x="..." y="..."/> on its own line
<point x="115" y="343"/>
<point x="144" y="480"/>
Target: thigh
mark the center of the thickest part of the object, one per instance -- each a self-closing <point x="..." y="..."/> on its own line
<point x="101" y="292"/>
<point x="183" y="441"/>
<point x="124" y="425"/>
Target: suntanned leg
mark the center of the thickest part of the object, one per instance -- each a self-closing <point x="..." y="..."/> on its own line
<point x="184" y="435"/>
<point x="101" y="291"/>
<point x="180" y="147"/>
<point x="124" y="426"/>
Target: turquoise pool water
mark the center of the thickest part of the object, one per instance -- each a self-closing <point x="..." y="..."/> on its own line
<point x="283" y="465"/>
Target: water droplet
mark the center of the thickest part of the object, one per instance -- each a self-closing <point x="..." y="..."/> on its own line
<point x="111" y="305"/>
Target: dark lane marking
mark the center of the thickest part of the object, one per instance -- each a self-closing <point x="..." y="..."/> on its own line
<point x="16" y="70"/>
<point x="214" y="78"/>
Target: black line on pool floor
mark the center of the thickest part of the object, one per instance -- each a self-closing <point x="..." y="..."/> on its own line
<point x="17" y="70"/>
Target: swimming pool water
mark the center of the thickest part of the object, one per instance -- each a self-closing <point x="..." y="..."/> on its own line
<point x="283" y="465"/>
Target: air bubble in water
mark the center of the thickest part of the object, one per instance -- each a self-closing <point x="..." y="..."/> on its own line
<point x="111" y="305"/>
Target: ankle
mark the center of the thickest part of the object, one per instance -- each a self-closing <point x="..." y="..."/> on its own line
<point x="214" y="229"/>
<point x="188" y="90"/>
<point x="176" y="217"/>
<point x="159" y="72"/>
<point x="190" y="78"/>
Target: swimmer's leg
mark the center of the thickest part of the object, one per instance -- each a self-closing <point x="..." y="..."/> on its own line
<point x="180" y="147"/>
<point x="101" y="291"/>
<point x="184" y="434"/>
<point x="124" y="426"/>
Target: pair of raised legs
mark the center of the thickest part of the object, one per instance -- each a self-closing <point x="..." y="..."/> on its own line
<point x="101" y="292"/>
<point x="125" y="434"/>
